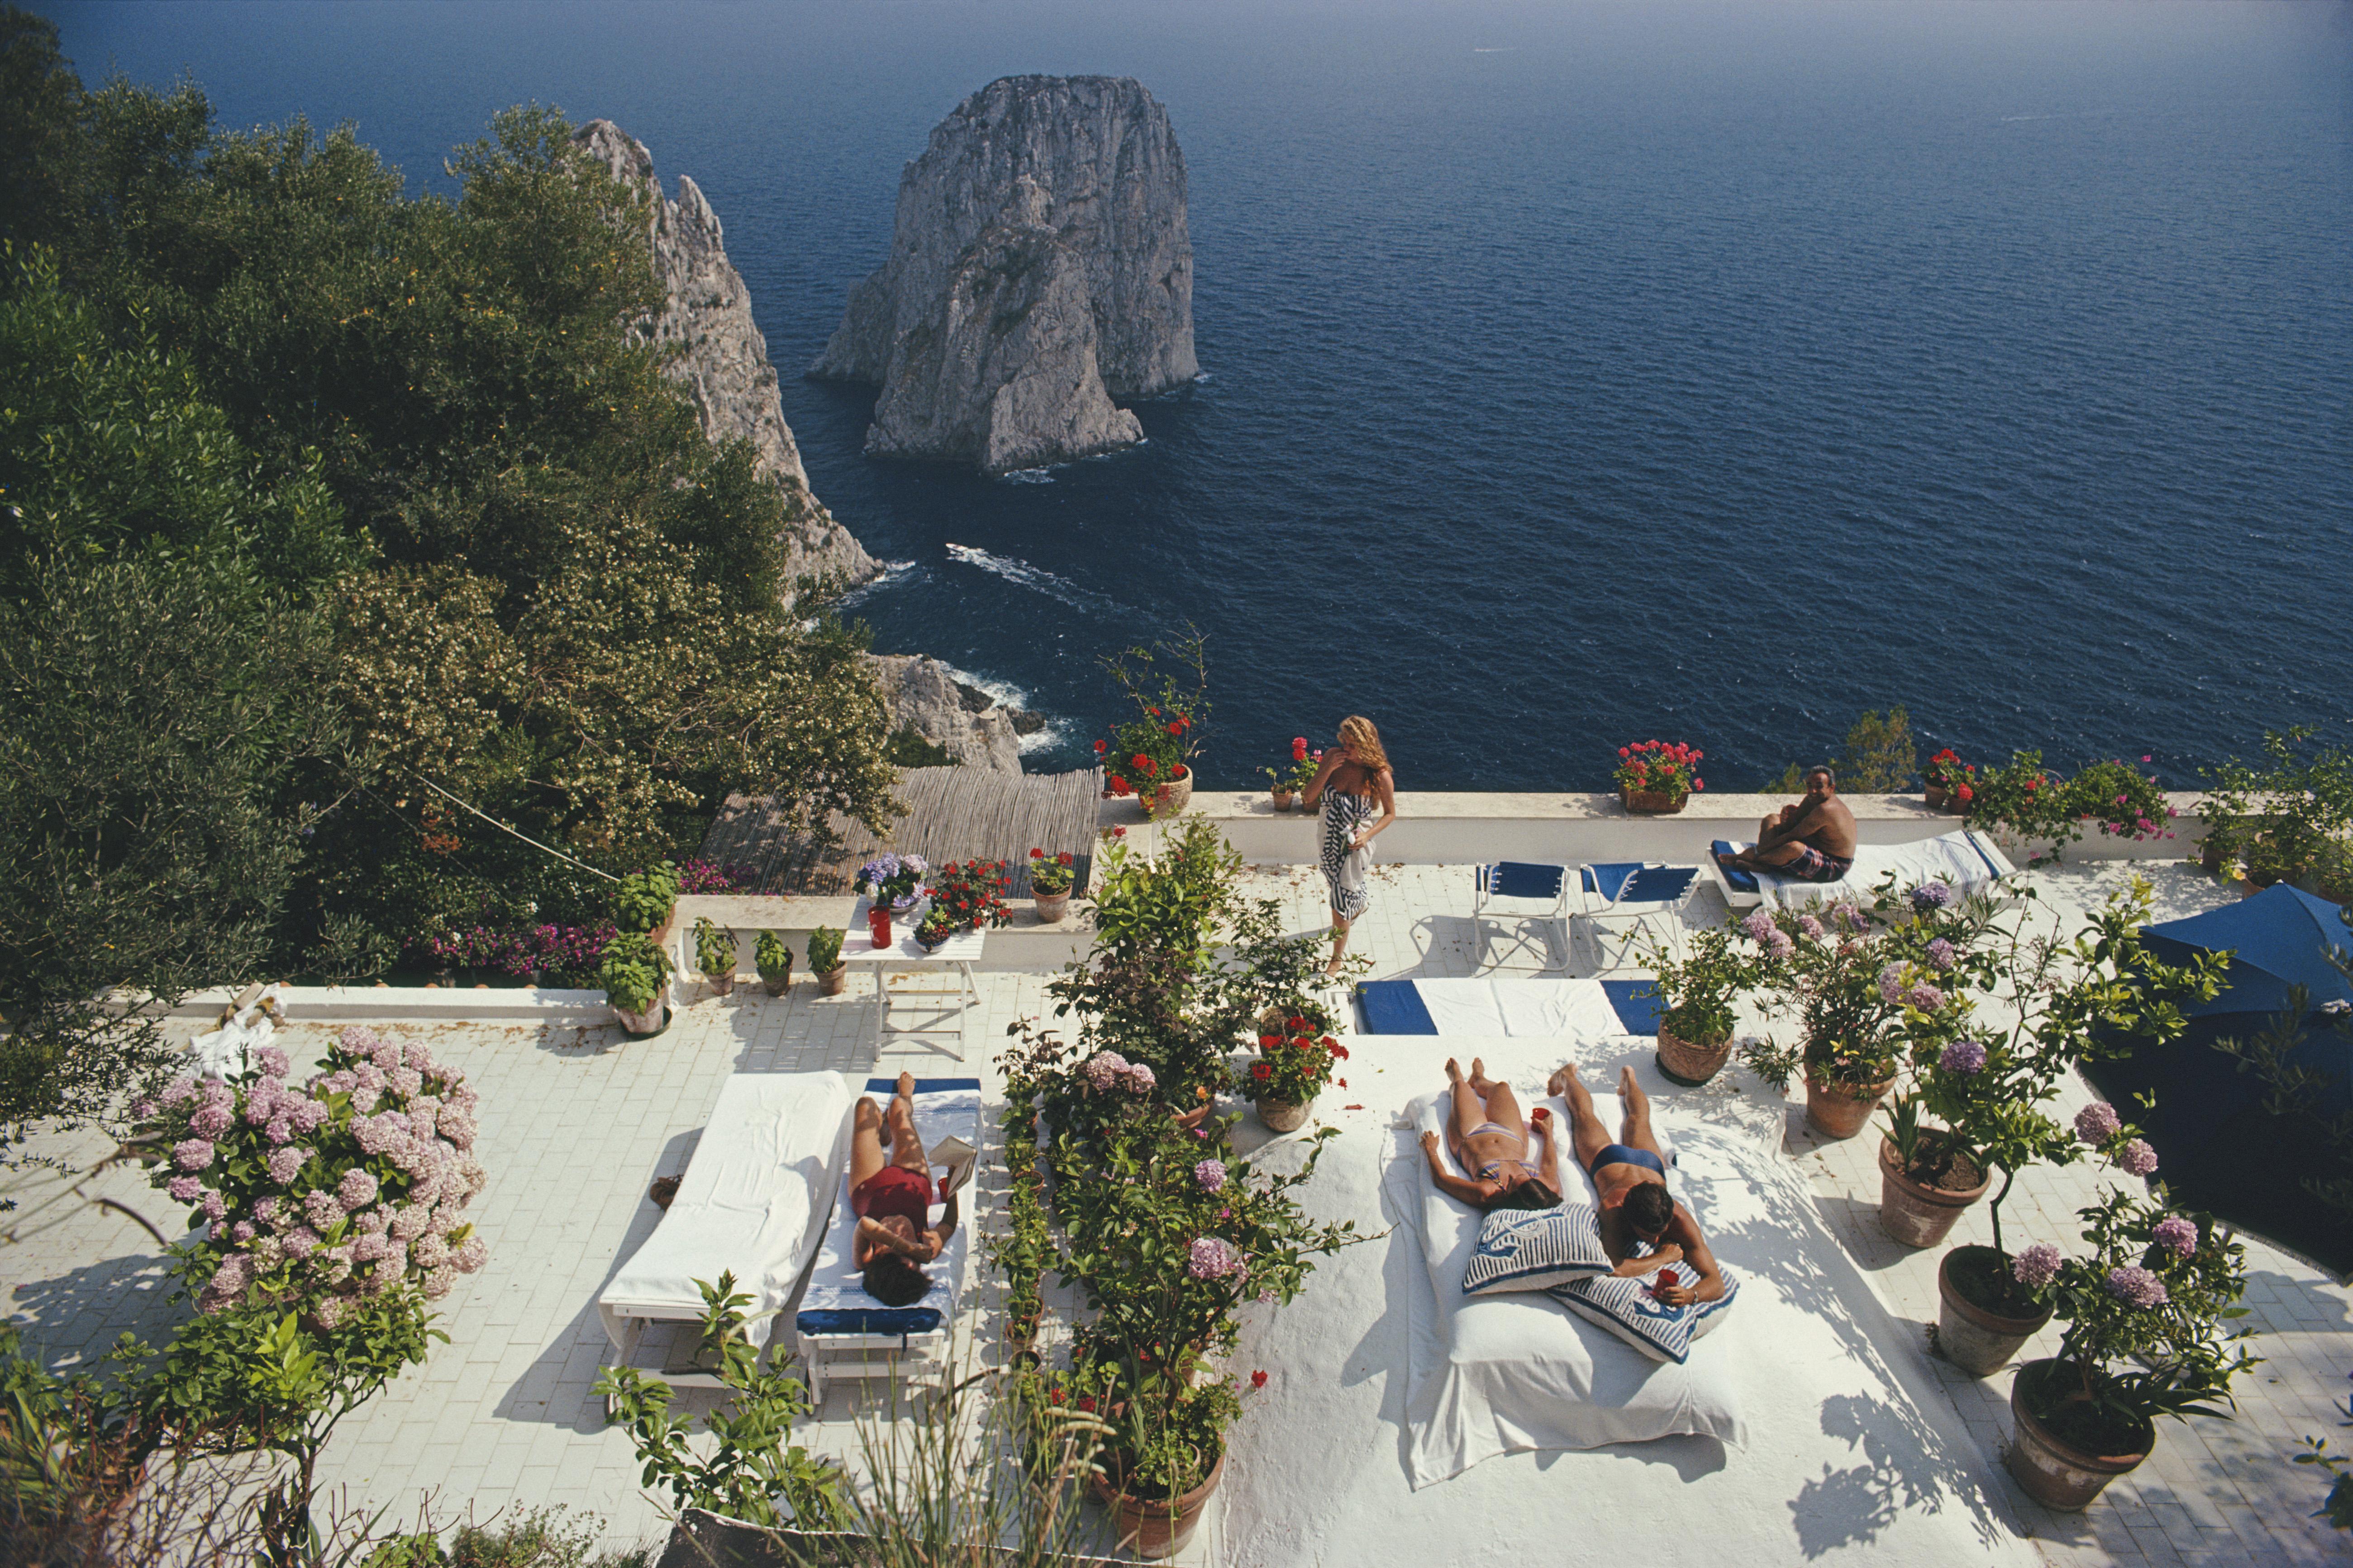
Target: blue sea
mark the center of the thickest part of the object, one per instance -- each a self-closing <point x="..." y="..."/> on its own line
<point x="1574" y="373"/>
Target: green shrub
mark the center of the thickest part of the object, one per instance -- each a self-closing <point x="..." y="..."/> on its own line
<point x="909" y="748"/>
<point x="632" y="971"/>
<point x="772" y="957"/>
<point x="824" y="950"/>
<point x="644" y="899"/>
<point x="714" y="949"/>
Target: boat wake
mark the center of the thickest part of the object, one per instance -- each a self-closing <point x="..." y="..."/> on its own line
<point x="1038" y="580"/>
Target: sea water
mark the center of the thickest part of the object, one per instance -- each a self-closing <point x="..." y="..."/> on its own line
<point x="1574" y="373"/>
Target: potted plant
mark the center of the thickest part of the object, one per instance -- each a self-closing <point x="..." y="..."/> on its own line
<point x="894" y="882"/>
<point x="936" y="928"/>
<point x="1151" y="755"/>
<point x="714" y="954"/>
<point x="773" y="960"/>
<point x="1831" y="971"/>
<point x="2226" y="810"/>
<point x="1290" y="782"/>
<point x="1292" y="1065"/>
<point x="645" y="900"/>
<point x="2023" y="801"/>
<point x="1049" y="885"/>
<point x="635" y="975"/>
<point x="2124" y="802"/>
<point x="2266" y="863"/>
<point x="1695" y="997"/>
<point x="825" y="961"/>
<point x="1950" y="784"/>
<point x="970" y="895"/>
<point x="1656" y="777"/>
<point x="2144" y="1339"/>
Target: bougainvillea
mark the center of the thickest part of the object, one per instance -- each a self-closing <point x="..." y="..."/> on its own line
<point x="353" y="1184"/>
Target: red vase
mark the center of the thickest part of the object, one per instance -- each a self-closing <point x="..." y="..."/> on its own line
<point x="877" y="925"/>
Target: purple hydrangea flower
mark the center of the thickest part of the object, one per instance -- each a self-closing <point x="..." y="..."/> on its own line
<point x="1139" y="1077"/>
<point x="286" y="1164"/>
<point x="272" y="1060"/>
<point x="2098" y="1122"/>
<point x="329" y="1312"/>
<point x="1213" y="1258"/>
<point x="1811" y="926"/>
<point x="1891" y="984"/>
<point x="179" y="1090"/>
<point x="185" y="1189"/>
<point x="1932" y="896"/>
<point x="2178" y="1234"/>
<point x="1941" y="953"/>
<point x="1780" y="943"/>
<point x="210" y="1120"/>
<point x="1210" y="1173"/>
<point x="357" y="1189"/>
<point x="192" y="1154"/>
<point x="2137" y="1285"/>
<point x="1965" y="1057"/>
<point x="2137" y="1157"/>
<point x="216" y="1207"/>
<point x="1103" y="1070"/>
<point x="2036" y="1267"/>
<point x="1759" y="926"/>
<point x="1923" y="995"/>
<point x="470" y="1255"/>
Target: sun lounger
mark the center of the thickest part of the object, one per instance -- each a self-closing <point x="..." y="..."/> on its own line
<point x="1967" y="858"/>
<point x="846" y="1332"/>
<point x="1519" y="1371"/>
<point x="1489" y="1007"/>
<point x="753" y="1202"/>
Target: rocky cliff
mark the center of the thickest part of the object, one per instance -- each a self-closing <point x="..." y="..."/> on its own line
<point x="721" y="359"/>
<point x="977" y="730"/>
<point x="1040" y="269"/>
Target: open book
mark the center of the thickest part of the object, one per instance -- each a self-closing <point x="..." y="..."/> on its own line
<point x="959" y="1157"/>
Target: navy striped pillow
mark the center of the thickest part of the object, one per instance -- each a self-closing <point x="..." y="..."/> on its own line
<point x="1535" y="1249"/>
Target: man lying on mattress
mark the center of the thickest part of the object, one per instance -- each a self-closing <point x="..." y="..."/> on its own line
<point x="893" y="1200"/>
<point x="1811" y="838"/>
<point x="1630" y="1176"/>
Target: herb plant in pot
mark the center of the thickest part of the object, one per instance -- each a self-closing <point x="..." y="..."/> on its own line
<point x="2144" y="1339"/>
<point x="634" y="973"/>
<point x="774" y="962"/>
<point x="645" y="900"/>
<point x="1695" y="997"/>
<point x="1656" y="777"/>
<point x="1292" y="1065"/>
<point x="1049" y="885"/>
<point x="714" y="954"/>
<point x="825" y="961"/>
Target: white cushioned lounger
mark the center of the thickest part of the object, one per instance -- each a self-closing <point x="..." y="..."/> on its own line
<point x="846" y="1332"/>
<point x="753" y="1202"/>
<point x="1967" y="858"/>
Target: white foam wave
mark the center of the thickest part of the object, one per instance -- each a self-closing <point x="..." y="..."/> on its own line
<point x="1027" y="476"/>
<point x="1036" y="579"/>
<point x="1009" y="695"/>
<point x="893" y="572"/>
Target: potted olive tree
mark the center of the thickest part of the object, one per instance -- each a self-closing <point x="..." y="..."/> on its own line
<point x="1696" y="997"/>
<point x="2143" y="1311"/>
<point x="774" y="962"/>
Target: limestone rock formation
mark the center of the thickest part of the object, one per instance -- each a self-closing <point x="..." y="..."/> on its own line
<point x="1040" y="269"/>
<point x="977" y="730"/>
<point x="721" y="359"/>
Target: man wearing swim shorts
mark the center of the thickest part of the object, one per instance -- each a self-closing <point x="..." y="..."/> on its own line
<point x="1811" y="840"/>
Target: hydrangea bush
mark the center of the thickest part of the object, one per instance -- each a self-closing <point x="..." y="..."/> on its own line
<point x="353" y="1184"/>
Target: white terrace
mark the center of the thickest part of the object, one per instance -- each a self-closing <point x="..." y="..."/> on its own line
<point x="1902" y="1464"/>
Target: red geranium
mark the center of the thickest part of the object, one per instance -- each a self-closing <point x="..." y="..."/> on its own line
<point x="1258" y="1380"/>
<point x="1658" y="767"/>
<point x="1261" y="1069"/>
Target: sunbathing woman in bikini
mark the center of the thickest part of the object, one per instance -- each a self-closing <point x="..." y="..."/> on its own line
<point x="1484" y="1133"/>
<point x="1630" y="1176"/>
<point x="893" y="1200"/>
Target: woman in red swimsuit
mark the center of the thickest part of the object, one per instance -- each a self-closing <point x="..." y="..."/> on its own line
<point x="891" y="1196"/>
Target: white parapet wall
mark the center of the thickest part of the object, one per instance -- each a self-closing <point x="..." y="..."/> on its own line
<point x="1448" y="829"/>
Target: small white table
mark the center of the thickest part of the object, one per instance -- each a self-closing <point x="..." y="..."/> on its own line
<point x="959" y="953"/>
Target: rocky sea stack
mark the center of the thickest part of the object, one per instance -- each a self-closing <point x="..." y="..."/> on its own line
<point x="1040" y="269"/>
<point x="722" y="360"/>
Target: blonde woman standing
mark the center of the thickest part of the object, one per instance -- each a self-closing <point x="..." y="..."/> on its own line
<point x="1355" y="786"/>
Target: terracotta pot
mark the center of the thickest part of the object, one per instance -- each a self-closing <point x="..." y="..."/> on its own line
<point x="1914" y="1214"/>
<point x="1939" y="798"/>
<point x="1688" y="1064"/>
<point x="833" y="981"/>
<point x="778" y="984"/>
<point x="1652" y="802"/>
<point x="652" y="1021"/>
<point x="1977" y="1341"/>
<point x="1840" y="1112"/>
<point x="1051" y="907"/>
<point x="1172" y="797"/>
<point x="1283" y="799"/>
<point x="1159" y="1529"/>
<point x="1282" y="1117"/>
<point x="722" y="984"/>
<point x="2055" y="1474"/>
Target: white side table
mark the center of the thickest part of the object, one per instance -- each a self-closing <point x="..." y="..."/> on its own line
<point x="959" y="953"/>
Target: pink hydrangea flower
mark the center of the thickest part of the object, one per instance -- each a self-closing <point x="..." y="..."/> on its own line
<point x="279" y="1133"/>
<point x="192" y="1154"/>
<point x="438" y="1282"/>
<point x="1103" y="1070"/>
<point x="357" y="1189"/>
<point x="2176" y="1234"/>
<point x="321" y="1208"/>
<point x="272" y="1060"/>
<point x="306" y="1115"/>
<point x="214" y="1205"/>
<point x="369" y="1247"/>
<point x="2137" y="1157"/>
<point x="2137" y="1285"/>
<point x="242" y="1231"/>
<point x="1941" y="953"/>
<point x="330" y="1311"/>
<point x="1891" y="984"/>
<point x="1210" y="1173"/>
<point x="185" y="1189"/>
<point x="1924" y="997"/>
<point x="1759" y="926"/>
<point x="1811" y="926"/>
<point x="1139" y="1077"/>
<point x="471" y="1254"/>
<point x="2098" y="1122"/>
<point x="2036" y="1267"/>
<point x="210" y="1120"/>
<point x="1213" y="1258"/>
<point x="180" y="1090"/>
<point x="430" y="1251"/>
<point x="287" y="1163"/>
<point x="1780" y="944"/>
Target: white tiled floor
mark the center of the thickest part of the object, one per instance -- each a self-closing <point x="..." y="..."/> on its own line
<point x="576" y="1123"/>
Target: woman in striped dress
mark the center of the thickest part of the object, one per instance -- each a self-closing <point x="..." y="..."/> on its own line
<point x="1355" y="787"/>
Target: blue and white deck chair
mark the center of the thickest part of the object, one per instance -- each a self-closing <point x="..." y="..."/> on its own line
<point x="1545" y="886"/>
<point x="1640" y="898"/>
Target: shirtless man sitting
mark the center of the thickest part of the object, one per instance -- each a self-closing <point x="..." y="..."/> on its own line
<point x="1631" y="1174"/>
<point x="1810" y="839"/>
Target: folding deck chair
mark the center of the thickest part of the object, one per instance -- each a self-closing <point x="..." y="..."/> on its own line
<point x="1525" y="883"/>
<point x="1647" y="896"/>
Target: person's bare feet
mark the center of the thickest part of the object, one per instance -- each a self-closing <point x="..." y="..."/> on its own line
<point x="905" y="1085"/>
<point x="1478" y="1075"/>
<point x="1558" y="1083"/>
<point x="1331" y="969"/>
<point x="1453" y="1070"/>
<point x="1627" y="1087"/>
